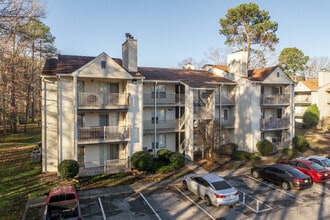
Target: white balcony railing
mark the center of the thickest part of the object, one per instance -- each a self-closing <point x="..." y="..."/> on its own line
<point x="110" y="166"/>
<point x="277" y="99"/>
<point x="275" y="123"/>
<point x="160" y="124"/>
<point x="225" y="99"/>
<point x="105" y="133"/>
<point x="163" y="99"/>
<point x="87" y="99"/>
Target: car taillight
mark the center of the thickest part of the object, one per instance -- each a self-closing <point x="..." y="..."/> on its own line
<point x="298" y="180"/>
<point x="319" y="174"/>
<point x="236" y="193"/>
<point x="219" y="196"/>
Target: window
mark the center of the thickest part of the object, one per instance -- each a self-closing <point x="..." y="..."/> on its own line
<point x="109" y="92"/>
<point x="108" y="152"/>
<point x="80" y="86"/>
<point x="80" y="120"/>
<point x="103" y="64"/>
<point x="160" y="116"/>
<point x="111" y="119"/>
<point x="225" y="114"/>
<point x="160" y="142"/>
<point x="160" y="92"/>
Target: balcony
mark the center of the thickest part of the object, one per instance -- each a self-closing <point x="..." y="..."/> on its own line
<point x="90" y="135"/>
<point x="298" y="99"/>
<point x="93" y="168"/>
<point x="275" y="123"/>
<point x="103" y="101"/>
<point x="163" y="99"/>
<point x="161" y="126"/>
<point x="278" y="99"/>
<point x="226" y="99"/>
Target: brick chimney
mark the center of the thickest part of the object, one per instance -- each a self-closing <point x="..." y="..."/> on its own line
<point x="129" y="53"/>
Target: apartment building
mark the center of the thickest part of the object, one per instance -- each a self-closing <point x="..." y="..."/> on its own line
<point x="313" y="91"/>
<point x="100" y="110"/>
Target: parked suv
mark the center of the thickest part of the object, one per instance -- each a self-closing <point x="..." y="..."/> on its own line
<point x="62" y="203"/>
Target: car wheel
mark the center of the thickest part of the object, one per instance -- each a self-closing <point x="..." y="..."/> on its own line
<point x="184" y="184"/>
<point x="255" y="174"/>
<point x="285" y="185"/>
<point x="208" y="201"/>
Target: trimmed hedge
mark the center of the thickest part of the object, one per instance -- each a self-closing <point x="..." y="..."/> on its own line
<point x="142" y="161"/>
<point x="265" y="147"/>
<point x="68" y="169"/>
<point x="243" y="155"/>
<point x="300" y="143"/>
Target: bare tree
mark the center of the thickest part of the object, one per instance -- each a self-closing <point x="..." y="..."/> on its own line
<point x="315" y="65"/>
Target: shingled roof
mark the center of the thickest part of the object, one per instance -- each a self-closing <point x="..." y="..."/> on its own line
<point x="312" y="84"/>
<point x="260" y="74"/>
<point x="193" y="78"/>
<point x="66" y="64"/>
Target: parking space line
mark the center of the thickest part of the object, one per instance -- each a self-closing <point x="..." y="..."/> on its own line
<point x="257" y="210"/>
<point x="276" y="188"/>
<point x="102" y="210"/>
<point x="203" y="210"/>
<point x="150" y="206"/>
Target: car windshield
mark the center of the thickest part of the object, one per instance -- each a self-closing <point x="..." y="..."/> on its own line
<point x="326" y="162"/>
<point x="62" y="197"/>
<point x="296" y="173"/>
<point x="316" y="166"/>
<point x="220" y="185"/>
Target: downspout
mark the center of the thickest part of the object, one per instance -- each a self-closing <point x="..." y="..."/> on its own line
<point x="44" y="144"/>
<point x="60" y="117"/>
<point x="179" y="134"/>
<point x="155" y="114"/>
<point x="220" y="86"/>
<point x="75" y="126"/>
<point x="292" y="134"/>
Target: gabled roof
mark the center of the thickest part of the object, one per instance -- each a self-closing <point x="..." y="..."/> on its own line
<point x="260" y="74"/>
<point x="66" y="64"/>
<point x="312" y="84"/>
<point x="193" y="78"/>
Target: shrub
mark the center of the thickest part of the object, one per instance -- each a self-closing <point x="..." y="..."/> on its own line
<point x="68" y="169"/>
<point x="311" y="116"/>
<point x="265" y="147"/>
<point x="167" y="169"/>
<point x="163" y="154"/>
<point x="142" y="161"/>
<point x="240" y="155"/>
<point x="177" y="160"/>
<point x="228" y="149"/>
<point x="300" y="143"/>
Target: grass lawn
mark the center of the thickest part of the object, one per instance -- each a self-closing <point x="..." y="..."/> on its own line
<point x="21" y="179"/>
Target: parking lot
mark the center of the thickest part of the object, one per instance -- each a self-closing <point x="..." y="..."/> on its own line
<point x="258" y="200"/>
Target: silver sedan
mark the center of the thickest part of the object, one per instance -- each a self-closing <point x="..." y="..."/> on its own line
<point x="213" y="189"/>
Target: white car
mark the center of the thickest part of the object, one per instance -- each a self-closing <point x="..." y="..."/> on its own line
<point x="323" y="161"/>
<point x="213" y="189"/>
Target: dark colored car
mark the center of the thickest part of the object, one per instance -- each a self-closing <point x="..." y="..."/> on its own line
<point x="284" y="175"/>
<point x="317" y="172"/>
<point x="62" y="203"/>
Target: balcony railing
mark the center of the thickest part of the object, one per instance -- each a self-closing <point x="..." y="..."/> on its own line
<point x="163" y="99"/>
<point x="275" y="123"/>
<point x="93" y="168"/>
<point x="149" y="125"/>
<point x="226" y="99"/>
<point x="278" y="99"/>
<point x="103" y="134"/>
<point x="302" y="99"/>
<point x="97" y="100"/>
<point x="202" y="113"/>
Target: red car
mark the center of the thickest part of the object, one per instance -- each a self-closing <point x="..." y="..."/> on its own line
<point x="317" y="172"/>
<point x="62" y="203"/>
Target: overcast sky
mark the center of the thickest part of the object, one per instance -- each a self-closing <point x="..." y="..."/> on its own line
<point x="170" y="31"/>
